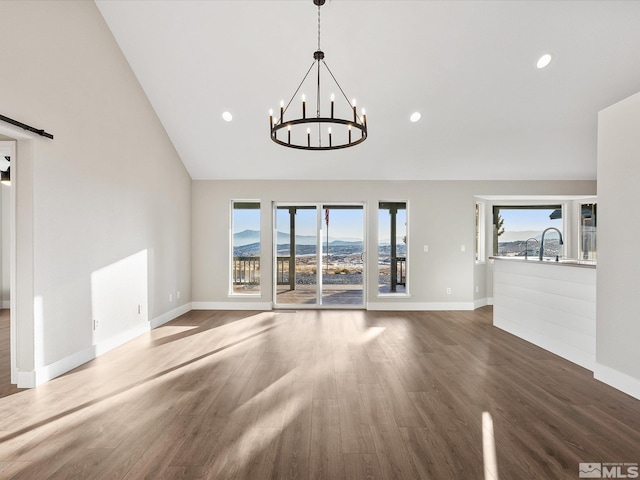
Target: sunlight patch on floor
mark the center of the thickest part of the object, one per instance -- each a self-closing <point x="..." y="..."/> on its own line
<point x="489" y="448"/>
<point x="370" y="334"/>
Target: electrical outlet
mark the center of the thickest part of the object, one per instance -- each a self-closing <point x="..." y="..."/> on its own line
<point x="171" y="297"/>
<point x="477" y="289"/>
<point x="462" y="248"/>
<point x="448" y="291"/>
<point x="139" y="309"/>
<point x="426" y="248"/>
<point x="96" y="324"/>
<point x="178" y="295"/>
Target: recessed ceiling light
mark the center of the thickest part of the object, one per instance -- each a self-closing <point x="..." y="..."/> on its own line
<point x="415" y="116"/>
<point x="544" y="60"/>
<point x="227" y="117"/>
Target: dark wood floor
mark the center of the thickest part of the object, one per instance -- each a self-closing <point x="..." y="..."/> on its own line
<point x="5" y="360"/>
<point x="319" y="395"/>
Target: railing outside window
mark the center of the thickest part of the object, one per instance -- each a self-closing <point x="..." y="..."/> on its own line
<point x="401" y="271"/>
<point x="282" y="271"/>
<point x="246" y="270"/>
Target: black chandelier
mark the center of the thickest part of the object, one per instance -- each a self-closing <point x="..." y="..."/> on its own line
<point x="349" y="131"/>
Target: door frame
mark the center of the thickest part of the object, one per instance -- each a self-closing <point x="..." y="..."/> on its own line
<point x="10" y="146"/>
<point x="320" y="229"/>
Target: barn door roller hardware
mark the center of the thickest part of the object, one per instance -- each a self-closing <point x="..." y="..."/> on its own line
<point x="24" y="126"/>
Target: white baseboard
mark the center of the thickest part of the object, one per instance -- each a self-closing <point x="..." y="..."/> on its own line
<point x="26" y="379"/>
<point x="30" y="379"/>
<point x="49" y="372"/>
<point x="489" y="300"/>
<point x="170" y="315"/>
<point x="55" y="369"/>
<point x="232" y="305"/>
<point x="618" y="380"/>
<point x="481" y="302"/>
<point x="408" y="306"/>
<point x="121" y="338"/>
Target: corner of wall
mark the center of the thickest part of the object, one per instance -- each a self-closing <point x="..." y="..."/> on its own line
<point x="616" y="379"/>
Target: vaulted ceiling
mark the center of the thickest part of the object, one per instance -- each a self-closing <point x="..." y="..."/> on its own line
<point x="469" y="67"/>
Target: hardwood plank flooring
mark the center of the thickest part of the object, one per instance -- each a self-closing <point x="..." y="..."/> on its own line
<point x="5" y="360"/>
<point x="315" y="395"/>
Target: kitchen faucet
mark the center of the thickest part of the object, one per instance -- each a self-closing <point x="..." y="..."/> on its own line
<point x="542" y="240"/>
<point x="526" y="246"/>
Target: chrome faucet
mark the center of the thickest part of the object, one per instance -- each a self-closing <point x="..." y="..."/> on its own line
<point x="526" y="247"/>
<point x="542" y="240"/>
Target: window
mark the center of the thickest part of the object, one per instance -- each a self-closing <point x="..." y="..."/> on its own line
<point x="480" y="233"/>
<point x="392" y="247"/>
<point x="245" y="250"/>
<point x="517" y="230"/>
<point x="588" y="220"/>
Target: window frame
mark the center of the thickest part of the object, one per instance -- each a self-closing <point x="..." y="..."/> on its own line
<point x="591" y="254"/>
<point x="533" y="206"/>
<point x="247" y="202"/>
<point x="481" y="233"/>
<point x="406" y="292"/>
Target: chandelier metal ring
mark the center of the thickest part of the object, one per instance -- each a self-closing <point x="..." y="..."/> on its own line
<point x="315" y="121"/>
<point x="304" y="142"/>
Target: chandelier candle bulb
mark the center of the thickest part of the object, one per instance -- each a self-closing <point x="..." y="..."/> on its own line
<point x="339" y="121"/>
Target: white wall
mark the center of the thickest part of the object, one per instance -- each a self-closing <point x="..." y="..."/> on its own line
<point x="441" y="215"/>
<point x="5" y="193"/>
<point x="108" y="194"/>
<point x="4" y="246"/>
<point x="5" y="227"/>
<point x="618" y="320"/>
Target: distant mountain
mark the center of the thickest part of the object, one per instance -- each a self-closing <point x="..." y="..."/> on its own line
<point x="300" y="239"/>
<point x="248" y="250"/>
<point x="249" y="237"/>
<point x="246" y="237"/>
<point x="343" y="243"/>
<point x="523" y="235"/>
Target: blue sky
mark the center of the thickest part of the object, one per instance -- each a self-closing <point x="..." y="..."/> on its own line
<point x="525" y="219"/>
<point x="246" y="220"/>
<point x="342" y="223"/>
<point x="348" y="223"/>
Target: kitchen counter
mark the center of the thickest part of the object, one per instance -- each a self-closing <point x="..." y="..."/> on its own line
<point x="550" y="304"/>
<point x="571" y="262"/>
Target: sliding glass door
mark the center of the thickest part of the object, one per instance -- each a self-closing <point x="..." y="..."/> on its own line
<point x="296" y="265"/>
<point x="319" y="255"/>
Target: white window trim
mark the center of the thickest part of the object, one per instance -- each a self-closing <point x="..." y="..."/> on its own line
<point x="231" y="293"/>
<point x="406" y="293"/>
<point x="481" y="233"/>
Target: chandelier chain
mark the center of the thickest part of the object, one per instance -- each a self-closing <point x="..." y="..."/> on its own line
<point x="358" y="122"/>
<point x="318" y="26"/>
